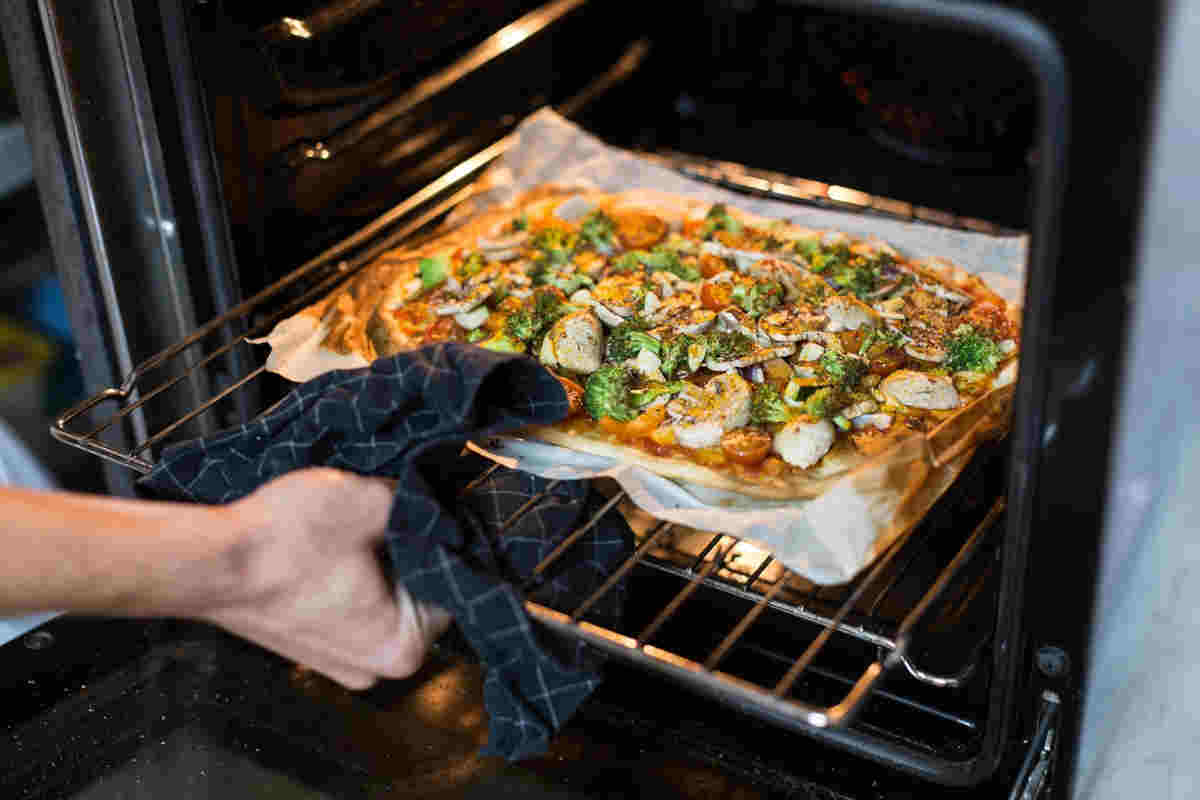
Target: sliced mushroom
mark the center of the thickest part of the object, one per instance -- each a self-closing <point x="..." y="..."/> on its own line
<point x="621" y="294"/>
<point x="879" y="422"/>
<point x="446" y="304"/>
<point x="648" y="365"/>
<point x="811" y="351"/>
<point x="866" y="406"/>
<point x="755" y="357"/>
<point x="803" y="442"/>
<point x="791" y="323"/>
<point x="919" y="390"/>
<point x="470" y="320"/>
<point x="724" y="405"/>
<point x="577" y="342"/>
<point x="925" y="352"/>
<point x="849" y="314"/>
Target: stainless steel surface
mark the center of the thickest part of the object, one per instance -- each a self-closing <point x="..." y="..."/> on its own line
<point x="783" y="187"/>
<point x="1039" y="761"/>
<point x="496" y="45"/>
<point x="1140" y="721"/>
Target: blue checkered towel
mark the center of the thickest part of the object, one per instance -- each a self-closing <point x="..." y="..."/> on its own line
<point x="407" y="417"/>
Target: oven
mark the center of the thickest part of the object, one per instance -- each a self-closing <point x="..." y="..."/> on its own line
<point x="207" y="167"/>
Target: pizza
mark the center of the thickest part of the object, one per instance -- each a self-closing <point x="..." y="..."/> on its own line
<point x="700" y="341"/>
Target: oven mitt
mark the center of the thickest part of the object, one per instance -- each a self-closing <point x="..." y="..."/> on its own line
<point x="406" y="417"/>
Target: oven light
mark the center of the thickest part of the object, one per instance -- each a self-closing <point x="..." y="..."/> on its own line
<point x="845" y="195"/>
<point x="511" y="36"/>
<point x="297" y="28"/>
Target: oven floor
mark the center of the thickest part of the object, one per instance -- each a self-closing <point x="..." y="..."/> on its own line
<point x="112" y="710"/>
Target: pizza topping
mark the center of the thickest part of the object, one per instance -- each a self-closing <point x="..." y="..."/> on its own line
<point x="767" y="406"/>
<point x="793" y="324"/>
<point x="920" y="390"/>
<point x="470" y="320"/>
<point x="628" y="339"/>
<point x="849" y="314"/>
<point x="746" y="446"/>
<point x="842" y="369"/>
<point x="755" y="356"/>
<point x="723" y="406"/>
<point x="638" y="230"/>
<point x="574" y="394"/>
<point x="607" y="393"/>
<point x="621" y="294"/>
<point x="575" y="343"/>
<point x="803" y="442"/>
<point x="969" y="349"/>
<point x="718" y="219"/>
<point x="598" y="230"/>
<point x="880" y="422"/>
<point x="648" y="365"/>
<point x="446" y="302"/>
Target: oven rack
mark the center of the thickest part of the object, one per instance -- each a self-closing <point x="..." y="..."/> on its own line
<point x="414" y="221"/>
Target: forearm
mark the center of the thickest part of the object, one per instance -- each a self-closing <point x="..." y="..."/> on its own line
<point x="103" y="555"/>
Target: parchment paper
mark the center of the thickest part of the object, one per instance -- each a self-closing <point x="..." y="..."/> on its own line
<point x="828" y="539"/>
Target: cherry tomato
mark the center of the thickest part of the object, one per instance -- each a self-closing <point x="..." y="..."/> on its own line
<point x="574" y="395"/>
<point x="445" y="329"/>
<point x="711" y="264"/>
<point x="748" y="446"/>
<point x="716" y="296"/>
<point x="639" y="230"/>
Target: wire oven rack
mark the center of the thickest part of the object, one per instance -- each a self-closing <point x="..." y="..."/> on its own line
<point x="709" y="560"/>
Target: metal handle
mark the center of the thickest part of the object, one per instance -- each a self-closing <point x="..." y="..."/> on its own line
<point x="321" y="21"/>
<point x="1040" y="759"/>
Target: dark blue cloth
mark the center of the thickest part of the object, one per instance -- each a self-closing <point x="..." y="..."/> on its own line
<point x="407" y="417"/>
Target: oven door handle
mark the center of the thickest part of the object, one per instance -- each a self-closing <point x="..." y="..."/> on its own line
<point x="1042" y="751"/>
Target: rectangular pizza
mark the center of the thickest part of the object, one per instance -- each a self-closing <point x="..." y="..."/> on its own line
<point x="704" y="343"/>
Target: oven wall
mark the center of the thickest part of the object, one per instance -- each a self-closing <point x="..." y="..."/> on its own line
<point x="1140" y="721"/>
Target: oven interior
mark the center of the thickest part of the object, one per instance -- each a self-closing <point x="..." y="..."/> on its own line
<point x="334" y="127"/>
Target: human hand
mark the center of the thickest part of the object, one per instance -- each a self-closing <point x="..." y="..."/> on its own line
<point x="309" y="584"/>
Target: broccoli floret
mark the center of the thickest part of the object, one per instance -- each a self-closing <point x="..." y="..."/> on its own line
<point x="675" y="355"/>
<point x="520" y="223"/>
<point x="759" y="298"/>
<point x="627" y="263"/>
<point x="477" y="335"/>
<point x="879" y="340"/>
<point x="843" y="370"/>
<point x="824" y="402"/>
<point x="543" y="309"/>
<point x="520" y="326"/>
<point x="667" y="259"/>
<point x="806" y="247"/>
<point x="555" y="246"/>
<point x="823" y="259"/>
<point x="502" y="344"/>
<point x="725" y="345"/>
<point x="607" y="393"/>
<point x="970" y="350"/>
<point x="663" y="258"/>
<point x="472" y="265"/>
<point x="767" y="406"/>
<point x="570" y="283"/>
<point x="859" y="275"/>
<point x="718" y="219"/>
<point x="628" y="339"/>
<point x="597" y="230"/>
<point x="648" y="394"/>
<point x="433" y="272"/>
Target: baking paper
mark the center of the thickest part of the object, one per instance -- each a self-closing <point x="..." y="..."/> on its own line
<point x="828" y="539"/>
